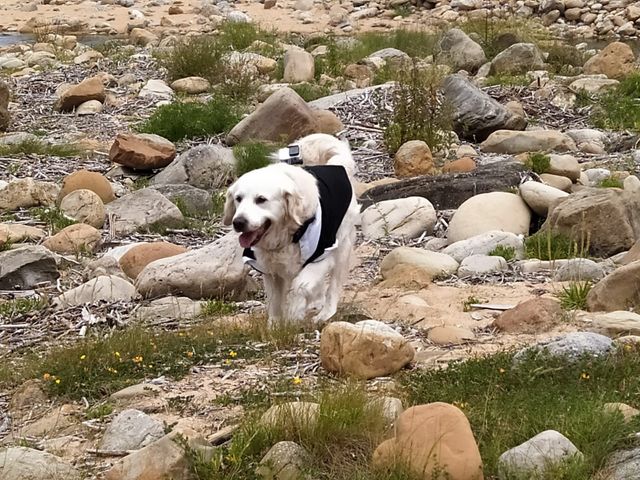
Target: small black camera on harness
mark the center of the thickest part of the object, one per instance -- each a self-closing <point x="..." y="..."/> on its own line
<point x="290" y="155"/>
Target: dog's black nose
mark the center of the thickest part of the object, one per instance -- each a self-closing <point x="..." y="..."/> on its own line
<point x="239" y="224"/>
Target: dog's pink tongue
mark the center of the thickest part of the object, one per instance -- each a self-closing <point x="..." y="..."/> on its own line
<point x="247" y="239"/>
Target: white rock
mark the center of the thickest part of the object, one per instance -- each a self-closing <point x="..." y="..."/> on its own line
<point x="484" y="243"/>
<point x="539" y="196"/>
<point x="481" y="264"/>
<point x="22" y="463"/>
<point x="405" y="217"/>
<point x="435" y="264"/>
<point x="615" y="324"/>
<point x="156" y="88"/>
<point x="131" y="430"/>
<point x="105" y="287"/>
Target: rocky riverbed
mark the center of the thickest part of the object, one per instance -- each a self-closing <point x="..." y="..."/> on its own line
<point x="515" y="229"/>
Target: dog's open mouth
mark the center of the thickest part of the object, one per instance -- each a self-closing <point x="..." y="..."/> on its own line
<point x="249" y="239"/>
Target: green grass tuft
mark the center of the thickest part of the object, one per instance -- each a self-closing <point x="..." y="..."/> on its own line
<point x="546" y="245"/>
<point x="574" y="296"/>
<point x="311" y="91"/>
<point x="507" y="406"/>
<point x="619" y="108"/>
<point x="20" y="306"/>
<point x="508" y="253"/>
<point x="179" y="120"/>
<point x="39" y="147"/>
<point x="53" y="217"/>
<point x="538" y="163"/>
<point x="251" y="156"/>
<point x="216" y="308"/>
<point x="611" y="182"/>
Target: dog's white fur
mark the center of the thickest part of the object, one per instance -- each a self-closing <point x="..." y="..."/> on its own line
<point x="288" y="196"/>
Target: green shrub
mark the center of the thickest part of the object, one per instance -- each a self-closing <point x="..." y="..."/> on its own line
<point x="538" y="163"/>
<point x="611" y="182"/>
<point x="574" y="296"/>
<point x="508" y="253"/>
<point x="564" y="59"/>
<point x="619" y="108"/>
<point x="310" y="91"/>
<point x="39" y="147"/>
<point x="53" y="217"/>
<point x="418" y="113"/>
<point x="507" y="405"/>
<point x="180" y="120"/>
<point x="546" y="245"/>
<point x="251" y="156"/>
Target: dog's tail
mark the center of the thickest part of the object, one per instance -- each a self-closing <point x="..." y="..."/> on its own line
<point x="323" y="149"/>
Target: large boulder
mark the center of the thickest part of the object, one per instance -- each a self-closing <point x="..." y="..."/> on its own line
<point x="143" y="210"/>
<point x="488" y="212"/>
<point x="405" y="218"/>
<point x="475" y="114"/>
<point x="461" y="52"/>
<point x="107" y="288"/>
<point x="209" y="167"/>
<point x="215" y="270"/>
<point x="299" y="66"/>
<point x="518" y="59"/>
<point x="138" y="257"/>
<point x="512" y="142"/>
<point x="23" y="463"/>
<point x="192" y="201"/>
<point x="142" y="151"/>
<point x="432" y="440"/>
<point x="606" y="220"/>
<point x="284" y="116"/>
<point x="434" y="264"/>
<point x="89" y="89"/>
<point x="537" y="455"/>
<point x="367" y="349"/>
<point x="26" y="267"/>
<point x="5" y="116"/>
<point x="84" y="179"/>
<point x="532" y="316"/>
<point x="616" y="61"/>
<point x="27" y="192"/>
<point x="617" y="291"/>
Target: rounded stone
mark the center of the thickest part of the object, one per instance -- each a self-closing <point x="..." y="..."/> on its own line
<point x="84" y="179"/>
<point x="84" y="206"/>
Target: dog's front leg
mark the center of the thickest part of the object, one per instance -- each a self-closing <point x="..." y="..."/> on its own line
<point x="275" y="290"/>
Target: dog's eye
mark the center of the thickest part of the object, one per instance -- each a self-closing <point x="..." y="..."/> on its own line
<point x="239" y="198"/>
<point x="260" y="200"/>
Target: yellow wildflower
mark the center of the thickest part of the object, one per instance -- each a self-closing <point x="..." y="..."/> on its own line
<point x="296" y="380"/>
<point x="233" y="354"/>
<point x="57" y="381"/>
<point x="82" y="357"/>
<point x="189" y="354"/>
<point x="584" y="376"/>
<point x="137" y="359"/>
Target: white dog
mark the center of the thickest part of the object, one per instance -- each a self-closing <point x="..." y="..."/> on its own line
<point x="297" y="226"/>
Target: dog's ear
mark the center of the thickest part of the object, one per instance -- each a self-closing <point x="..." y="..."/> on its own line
<point x="294" y="206"/>
<point x="229" y="209"/>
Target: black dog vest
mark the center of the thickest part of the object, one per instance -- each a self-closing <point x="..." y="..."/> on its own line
<point x="317" y="235"/>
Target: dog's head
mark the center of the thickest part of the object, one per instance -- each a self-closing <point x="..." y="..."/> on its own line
<point x="268" y="204"/>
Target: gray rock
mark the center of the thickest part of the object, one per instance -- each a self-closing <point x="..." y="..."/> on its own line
<point x="206" y="166"/>
<point x="22" y="463"/>
<point x="536" y="455"/>
<point x="623" y="465"/>
<point x="143" y="210"/>
<point x="579" y="269"/>
<point x="517" y="59"/>
<point x="405" y="218"/>
<point x="170" y="308"/>
<point x="461" y="51"/>
<point x="26" y="267"/>
<point x="156" y="89"/>
<point x="103" y="288"/>
<point x="131" y="430"/>
<point x="571" y="346"/>
<point x="390" y="408"/>
<point x="212" y="271"/>
<point x="484" y="243"/>
<point x="475" y="114"/>
<point x="481" y="264"/>
<point x="192" y="201"/>
<point x="284" y="461"/>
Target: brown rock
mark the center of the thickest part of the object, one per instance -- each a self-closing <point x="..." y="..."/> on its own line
<point x="432" y="440"/>
<point x="28" y="396"/>
<point x="84" y="206"/>
<point x="627" y="411"/>
<point x="16" y="232"/>
<point x="84" y="179"/>
<point x="607" y="219"/>
<point x="367" y="349"/>
<point x="89" y="89"/>
<point x="134" y="261"/>
<point x="78" y="238"/>
<point x="617" y="291"/>
<point x="361" y="74"/>
<point x="269" y="4"/>
<point x="409" y="277"/>
<point x="462" y="165"/>
<point x="616" y="61"/>
<point x="328" y="122"/>
<point x="27" y="192"/>
<point x="531" y="316"/>
<point x="142" y="37"/>
<point x="632" y="255"/>
<point x="5" y="117"/>
<point x="450" y="335"/>
<point x="412" y="159"/>
<point x="283" y="116"/>
<point x="175" y="10"/>
<point x="142" y="151"/>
